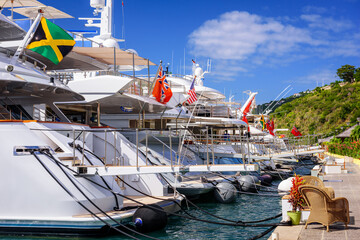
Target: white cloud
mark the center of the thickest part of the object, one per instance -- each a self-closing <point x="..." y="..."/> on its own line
<point x="317" y="21"/>
<point x="314" y="9"/>
<point x="238" y="35"/>
<point x="226" y="71"/>
<point x="238" y="42"/>
<point x="320" y="77"/>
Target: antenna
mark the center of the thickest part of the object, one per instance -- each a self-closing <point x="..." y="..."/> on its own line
<point x="105" y="22"/>
<point x="123" y="22"/>
<point x="208" y="66"/>
<point x="184" y="62"/>
<point x="172" y="61"/>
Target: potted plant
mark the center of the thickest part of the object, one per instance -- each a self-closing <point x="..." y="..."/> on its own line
<point x="296" y="199"/>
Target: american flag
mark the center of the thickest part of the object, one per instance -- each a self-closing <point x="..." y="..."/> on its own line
<point x="192" y="94"/>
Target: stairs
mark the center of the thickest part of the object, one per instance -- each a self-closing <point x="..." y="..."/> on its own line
<point x="4" y="113"/>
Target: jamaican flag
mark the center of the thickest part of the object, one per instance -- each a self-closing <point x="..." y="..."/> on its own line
<point x="51" y="41"/>
<point x="262" y="121"/>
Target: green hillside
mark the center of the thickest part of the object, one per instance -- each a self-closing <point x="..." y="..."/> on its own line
<point x="327" y="111"/>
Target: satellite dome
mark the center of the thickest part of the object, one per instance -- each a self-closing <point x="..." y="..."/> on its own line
<point x="111" y="43"/>
<point x="132" y="51"/>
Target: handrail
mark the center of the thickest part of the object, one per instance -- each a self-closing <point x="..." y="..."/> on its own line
<point x="45" y="112"/>
<point x="20" y="110"/>
<point x="241" y="144"/>
<point x="163" y="143"/>
<point x="87" y="39"/>
<point x="186" y="77"/>
<point x="10" y="52"/>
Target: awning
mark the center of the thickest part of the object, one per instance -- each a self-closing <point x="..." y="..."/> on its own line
<point x="19" y="3"/>
<point x="112" y="55"/>
<point x="72" y="61"/>
<point x="48" y="12"/>
<point x="119" y="104"/>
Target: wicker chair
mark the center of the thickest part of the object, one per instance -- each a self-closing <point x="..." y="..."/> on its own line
<point x="323" y="209"/>
<point x="315" y="181"/>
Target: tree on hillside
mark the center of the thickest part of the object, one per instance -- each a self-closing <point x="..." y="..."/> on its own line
<point x="357" y="75"/>
<point x="355" y="133"/>
<point x="346" y="73"/>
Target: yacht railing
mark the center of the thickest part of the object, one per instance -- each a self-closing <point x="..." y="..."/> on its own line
<point x="186" y="77"/>
<point x="44" y="115"/>
<point x="213" y="111"/>
<point x="83" y="39"/>
<point x="139" y="86"/>
<point x="7" y="107"/>
<point x="255" y="145"/>
<point x="25" y="58"/>
<point x="63" y="77"/>
<point x="5" y="113"/>
<point x="111" y="151"/>
<point x="205" y="145"/>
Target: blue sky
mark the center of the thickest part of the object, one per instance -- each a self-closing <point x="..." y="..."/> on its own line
<point x="259" y="45"/>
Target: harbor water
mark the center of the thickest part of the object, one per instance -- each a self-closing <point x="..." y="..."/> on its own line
<point x="247" y="207"/>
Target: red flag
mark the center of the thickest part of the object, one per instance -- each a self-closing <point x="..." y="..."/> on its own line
<point x="295" y="132"/>
<point x="272" y="125"/>
<point x="245" y="120"/>
<point x="162" y="91"/>
<point x="268" y="127"/>
<point x="122" y="3"/>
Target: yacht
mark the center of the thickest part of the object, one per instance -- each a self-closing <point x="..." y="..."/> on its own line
<point x="46" y="187"/>
<point x="122" y="101"/>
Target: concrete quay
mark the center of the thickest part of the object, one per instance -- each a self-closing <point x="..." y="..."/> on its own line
<point x="345" y="185"/>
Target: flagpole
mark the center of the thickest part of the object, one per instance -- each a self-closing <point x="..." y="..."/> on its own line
<point x="152" y="84"/>
<point x="187" y="125"/>
<point x="26" y="39"/>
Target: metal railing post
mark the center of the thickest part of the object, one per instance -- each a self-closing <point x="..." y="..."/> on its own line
<point x="146" y="142"/>
<point x="114" y="147"/>
<point x="248" y="143"/>
<point x="105" y="146"/>
<point x="73" y="147"/>
<point x="170" y="142"/>
<point x="163" y="152"/>
<point x="207" y="146"/>
<point x="137" y="148"/>
<point x="83" y="151"/>
<point x="241" y="146"/>
<point x="212" y="145"/>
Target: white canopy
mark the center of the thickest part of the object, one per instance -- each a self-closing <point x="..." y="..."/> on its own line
<point x="112" y="55"/>
<point x="19" y="3"/>
<point x="48" y="12"/>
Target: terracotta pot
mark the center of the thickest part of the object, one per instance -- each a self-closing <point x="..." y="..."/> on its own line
<point x="295" y="217"/>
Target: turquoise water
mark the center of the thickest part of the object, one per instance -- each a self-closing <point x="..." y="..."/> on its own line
<point x="246" y="208"/>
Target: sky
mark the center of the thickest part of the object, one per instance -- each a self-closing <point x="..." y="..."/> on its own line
<point x="259" y="45"/>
